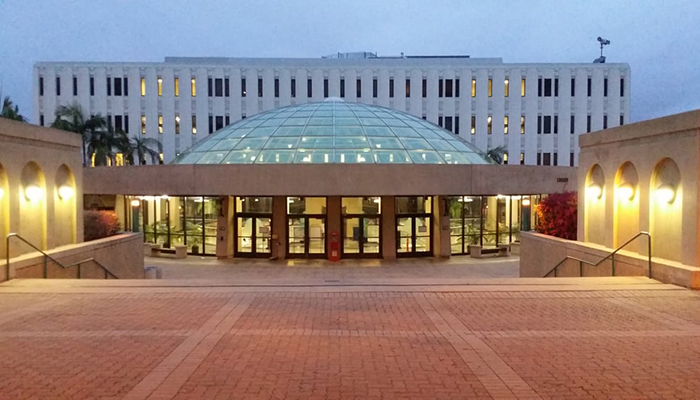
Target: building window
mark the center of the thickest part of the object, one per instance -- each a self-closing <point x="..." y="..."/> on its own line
<point x="92" y="86"/>
<point x="244" y="90"/>
<point x="440" y="88"/>
<point x="160" y="86"/>
<point x="556" y="124"/>
<point x="556" y="159"/>
<point x="547" y="159"/>
<point x="293" y="88"/>
<point x="227" y="87"/>
<point x="605" y="87"/>
<point x="556" y="87"/>
<point x="309" y="88"/>
<point x="126" y="123"/>
<point x="75" y="85"/>
<point x="522" y="124"/>
<point x="571" y="159"/>
<point x="375" y="87"/>
<point x="547" y="124"/>
<point x="440" y="121"/>
<point x="408" y="88"/>
<point x="506" y="87"/>
<point x="143" y="86"/>
<point x="622" y="120"/>
<point x="109" y="86"/>
<point x="522" y="87"/>
<point x="588" y="123"/>
<point x="605" y="122"/>
<point x="522" y="158"/>
<point x="160" y="123"/>
<point x="117" y="86"/>
<point x="176" y="86"/>
<point x="425" y="88"/>
<point x="177" y="124"/>
<point x="456" y="125"/>
<point x="358" y="88"/>
<point x="425" y="117"/>
<point x="391" y="87"/>
<point x="58" y="86"/>
<point x="489" y="125"/>
<point x="505" y="125"/>
<point x="572" y="124"/>
<point x="342" y="88"/>
<point x="219" y="87"/>
<point x="118" y="123"/>
<point x="448" y="88"/>
<point x="456" y="87"/>
<point x="277" y="87"/>
<point x="473" y="128"/>
<point x="210" y="87"/>
<point x="41" y="119"/>
<point x="193" y="87"/>
<point x="325" y="88"/>
<point x="260" y="87"/>
<point x="211" y="124"/>
<point x="590" y="87"/>
<point x="490" y="87"/>
<point x="448" y="123"/>
<point x="539" y="158"/>
<point x="228" y="120"/>
<point x="194" y="124"/>
<point x="539" y="87"/>
<point x="622" y="88"/>
<point x="548" y="87"/>
<point x="473" y="87"/>
<point x="219" y="122"/>
<point x="539" y="124"/>
<point x="41" y="86"/>
<point x="573" y="87"/>
<point x="143" y="124"/>
<point x="505" y="158"/>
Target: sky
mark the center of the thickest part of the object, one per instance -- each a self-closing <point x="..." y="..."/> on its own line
<point x="660" y="40"/>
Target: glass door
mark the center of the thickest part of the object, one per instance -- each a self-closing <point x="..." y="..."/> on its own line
<point x="253" y="236"/>
<point x="361" y="236"/>
<point x="307" y="237"/>
<point x="413" y="235"/>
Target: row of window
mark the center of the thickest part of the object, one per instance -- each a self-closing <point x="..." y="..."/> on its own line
<point x="542" y="158"/>
<point x="220" y="87"/>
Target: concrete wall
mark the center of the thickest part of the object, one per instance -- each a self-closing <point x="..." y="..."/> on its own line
<point x="46" y="160"/>
<point x="121" y="254"/>
<point x="540" y="253"/>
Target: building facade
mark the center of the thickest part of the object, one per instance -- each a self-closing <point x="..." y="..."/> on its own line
<point x="536" y="111"/>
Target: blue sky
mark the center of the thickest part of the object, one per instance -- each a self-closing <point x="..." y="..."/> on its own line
<point x="659" y="39"/>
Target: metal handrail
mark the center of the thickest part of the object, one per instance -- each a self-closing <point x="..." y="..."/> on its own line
<point x="611" y="256"/>
<point x="47" y="257"/>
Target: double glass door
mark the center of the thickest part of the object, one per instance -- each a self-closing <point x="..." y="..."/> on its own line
<point x="413" y="235"/>
<point x="361" y="236"/>
<point x="253" y="236"/>
<point x="307" y="236"/>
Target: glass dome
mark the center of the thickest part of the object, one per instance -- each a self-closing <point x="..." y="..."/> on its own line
<point x="332" y="132"/>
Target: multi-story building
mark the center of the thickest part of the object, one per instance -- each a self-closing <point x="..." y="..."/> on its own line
<point x="535" y="111"/>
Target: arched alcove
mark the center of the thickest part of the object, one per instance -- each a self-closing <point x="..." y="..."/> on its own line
<point x="32" y="205"/>
<point x="665" y="210"/>
<point x="626" y="223"/>
<point x="4" y="210"/>
<point x="64" y="230"/>
<point x="594" y="229"/>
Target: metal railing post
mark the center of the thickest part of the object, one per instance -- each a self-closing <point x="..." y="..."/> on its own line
<point x="649" y="253"/>
<point x="46" y="267"/>
<point x="580" y="269"/>
<point x="613" y="264"/>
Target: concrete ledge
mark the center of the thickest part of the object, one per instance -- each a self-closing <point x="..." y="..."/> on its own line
<point x="540" y="253"/>
<point x="122" y="254"/>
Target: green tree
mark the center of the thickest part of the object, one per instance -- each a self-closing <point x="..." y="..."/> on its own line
<point x="144" y="148"/>
<point x="496" y="154"/>
<point x="71" y="118"/>
<point x="10" y="110"/>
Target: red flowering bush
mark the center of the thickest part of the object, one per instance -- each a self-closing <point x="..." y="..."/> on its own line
<point x="557" y="215"/>
<point x="100" y="224"/>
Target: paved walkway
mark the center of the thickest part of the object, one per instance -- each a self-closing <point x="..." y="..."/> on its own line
<point x="589" y="338"/>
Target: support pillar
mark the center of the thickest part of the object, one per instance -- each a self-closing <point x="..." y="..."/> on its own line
<point x="224" y="230"/>
<point x="388" y="228"/>
<point x="279" y="227"/>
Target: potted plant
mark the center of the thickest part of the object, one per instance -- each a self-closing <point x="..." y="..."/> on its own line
<point x="194" y="236"/>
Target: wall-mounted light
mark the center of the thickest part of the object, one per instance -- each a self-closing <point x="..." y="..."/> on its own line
<point x="65" y="192"/>
<point x="626" y="191"/>
<point x="135" y="203"/>
<point x="665" y="194"/>
<point x="33" y="192"/>
<point x="594" y="191"/>
<point x="526" y="202"/>
<point x="2" y="193"/>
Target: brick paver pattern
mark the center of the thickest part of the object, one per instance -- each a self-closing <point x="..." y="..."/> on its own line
<point x="351" y="345"/>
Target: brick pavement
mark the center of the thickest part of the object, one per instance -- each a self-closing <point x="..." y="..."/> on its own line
<point x="336" y="343"/>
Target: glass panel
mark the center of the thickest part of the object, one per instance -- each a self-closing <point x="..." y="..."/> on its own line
<point x="490" y="221"/>
<point x="452" y="157"/>
<point x="306" y="205"/>
<point x="296" y="235"/>
<point x="213" y="157"/>
<point x="404" y="235"/>
<point x="391" y="157"/>
<point x="503" y="220"/>
<point x="320" y="121"/>
<point x="378" y="131"/>
<point x="281" y="142"/>
<point x="275" y="157"/>
<point x="385" y="143"/>
<point x="317" y="236"/>
<point x="372" y="121"/>
<point x="406" y="132"/>
<point x="190" y="158"/>
<point x="349" y="131"/>
<point x="526" y="224"/>
<point x="245" y="235"/>
<point x="515" y="217"/>
<point x="351" y="235"/>
<point x="393" y="122"/>
<point x="361" y="205"/>
<point x="193" y="223"/>
<point x="262" y="235"/>
<point x="211" y="214"/>
<point x="313" y="156"/>
<point x="251" y="143"/>
<point x="273" y="122"/>
<point x="472" y="221"/>
<point x="226" y="144"/>
<point x="257" y="205"/>
<point x="413" y="205"/>
<point x="455" y="207"/>
<point x="241" y="157"/>
<point x="316" y="142"/>
<point x="422" y="234"/>
<point x="442" y="145"/>
<point x="415" y="143"/>
<point x="353" y="156"/>
<point x="260" y="132"/>
<point x="288" y="131"/>
<point x="318" y="131"/>
<point x="371" y="232"/>
<point x="425" y="157"/>
<point x="350" y="142"/>
<point x="346" y="121"/>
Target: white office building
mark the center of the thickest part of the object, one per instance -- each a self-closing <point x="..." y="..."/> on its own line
<point x="536" y="111"/>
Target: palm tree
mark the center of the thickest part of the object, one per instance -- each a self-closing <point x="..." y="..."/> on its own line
<point x="144" y="147"/>
<point x="11" y="111"/>
<point x="496" y="154"/>
<point x="71" y="118"/>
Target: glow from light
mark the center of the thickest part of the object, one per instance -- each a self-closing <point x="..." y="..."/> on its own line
<point x="2" y="193"/>
<point x="594" y="191"/>
<point x="665" y="194"/>
<point x="626" y="191"/>
<point x="526" y="202"/>
<point x="33" y="193"/>
<point x="135" y="203"/>
<point x="65" y="192"/>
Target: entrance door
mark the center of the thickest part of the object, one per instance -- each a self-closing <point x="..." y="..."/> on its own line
<point x="253" y="236"/>
<point x="307" y="237"/>
<point x="361" y="237"/>
<point x="413" y="235"/>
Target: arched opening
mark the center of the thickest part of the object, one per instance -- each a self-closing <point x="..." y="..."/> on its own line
<point x="626" y="223"/>
<point x="65" y="225"/>
<point x="4" y="210"/>
<point x="32" y="205"/>
<point x="666" y="207"/>
<point x="594" y="229"/>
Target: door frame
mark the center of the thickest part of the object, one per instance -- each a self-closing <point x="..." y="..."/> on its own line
<point x="413" y="252"/>
<point x="306" y="253"/>
<point x="254" y="253"/>
<point x="361" y="254"/>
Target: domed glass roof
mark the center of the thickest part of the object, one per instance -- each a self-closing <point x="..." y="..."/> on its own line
<point x="332" y="132"/>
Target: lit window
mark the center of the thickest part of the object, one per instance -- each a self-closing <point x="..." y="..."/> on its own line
<point x="473" y="87"/>
<point x="505" y="158"/>
<point x="194" y="124"/>
<point x="522" y="158"/>
<point x="194" y="87"/>
<point x="177" y="86"/>
<point x="506" y="87"/>
<point x="522" y="87"/>
<point x="490" y="87"/>
<point x="143" y="124"/>
<point x="489" y="125"/>
<point x="505" y="125"/>
<point x="160" y="158"/>
<point x="160" y="123"/>
<point x="160" y="86"/>
<point x="143" y="86"/>
<point x="473" y="125"/>
<point x="119" y="160"/>
<point x="177" y="124"/>
<point x="522" y="124"/>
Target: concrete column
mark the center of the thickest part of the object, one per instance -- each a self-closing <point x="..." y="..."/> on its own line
<point x="441" y="228"/>
<point x="333" y="219"/>
<point x="224" y="231"/>
<point x="388" y="228"/>
<point x="279" y="227"/>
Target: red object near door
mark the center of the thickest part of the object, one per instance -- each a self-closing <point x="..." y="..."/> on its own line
<point x="334" y="253"/>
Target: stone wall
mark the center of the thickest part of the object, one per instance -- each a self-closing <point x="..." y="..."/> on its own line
<point x="540" y="253"/>
<point x="121" y="254"/>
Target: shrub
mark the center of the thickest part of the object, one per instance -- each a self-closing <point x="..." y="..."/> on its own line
<point x="558" y="215"/>
<point x="100" y="224"/>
